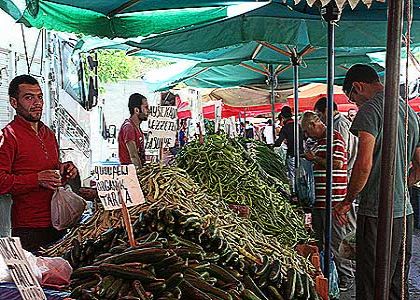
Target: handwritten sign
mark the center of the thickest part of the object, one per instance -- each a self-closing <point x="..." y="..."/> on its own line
<point x="111" y="178"/>
<point x="162" y="124"/>
<point x="24" y="278"/>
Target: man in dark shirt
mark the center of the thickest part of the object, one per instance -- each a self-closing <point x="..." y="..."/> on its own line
<point x="30" y="169"/>
<point x="287" y="135"/>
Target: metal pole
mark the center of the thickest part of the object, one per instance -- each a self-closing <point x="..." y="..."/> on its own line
<point x="296" y="113"/>
<point x="272" y="99"/>
<point x="386" y="195"/>
<point x="330" y="100"/>
<point x="331" y="14"/>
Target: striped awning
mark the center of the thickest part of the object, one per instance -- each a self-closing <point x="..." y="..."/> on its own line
<point x="340" y="3"/>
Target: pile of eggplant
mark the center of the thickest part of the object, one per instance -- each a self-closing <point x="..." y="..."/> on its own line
<point x="178" y="256"/>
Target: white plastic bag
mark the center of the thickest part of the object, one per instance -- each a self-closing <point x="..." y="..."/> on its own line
<point x="5" y="275"/>
<point x="66" y="208"/>
<point x="347" y="248"/>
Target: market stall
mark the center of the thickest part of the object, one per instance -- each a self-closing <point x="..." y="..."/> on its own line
<point x="200" y="233"/>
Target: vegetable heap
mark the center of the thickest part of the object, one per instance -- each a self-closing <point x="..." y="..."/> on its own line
<point x="221" y="169"/>
<point x="179" y="256"/>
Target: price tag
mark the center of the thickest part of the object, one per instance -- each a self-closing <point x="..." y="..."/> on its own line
<point x="24" y="278"/>
<point x="110" y="179"/>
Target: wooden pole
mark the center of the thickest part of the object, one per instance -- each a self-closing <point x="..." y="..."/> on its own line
<point x="388" y="163"/>
<point x="127" y="219"/>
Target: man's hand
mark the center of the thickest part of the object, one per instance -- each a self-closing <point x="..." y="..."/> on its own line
<point x="49" y="179"/>
<point x="68" y="170"/>
<point x="309" y="155"/>
<point x="340" y="212"/>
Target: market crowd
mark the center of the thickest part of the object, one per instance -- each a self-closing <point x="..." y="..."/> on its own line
<point x="31" y="170"/>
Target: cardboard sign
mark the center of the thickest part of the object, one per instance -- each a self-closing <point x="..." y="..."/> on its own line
<point x="24" y="278"/>
<point x="162" y="127"/>
<point x="111" y="178"/>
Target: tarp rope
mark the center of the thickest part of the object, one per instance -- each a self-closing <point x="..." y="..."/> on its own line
<point x="406" y="161"/>
<point x="26" y="50"/>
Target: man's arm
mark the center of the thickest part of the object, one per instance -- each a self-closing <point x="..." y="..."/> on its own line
<point x="281" y="138"/>
<point x="21" y="184"/>
<point x="134" y="155"/>
<point x="414" y="175"/>
<point x="362" y="166"/>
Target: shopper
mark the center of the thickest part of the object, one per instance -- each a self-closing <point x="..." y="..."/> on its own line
<point x="287" y="135"/>
<point x="342" y="125"/>
<point x="182" y="134"/>
<point x="316" y="129"/>
<point x="362" y="86"/>
<point x="268" y="133"/>
<point x="249" y="130"/>
<point x="131" y="148"/>
<point x="30" y="169"/>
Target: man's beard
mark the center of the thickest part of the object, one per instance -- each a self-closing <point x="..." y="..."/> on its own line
<point x="142" y="117"/>
<point x="30" y="118"/>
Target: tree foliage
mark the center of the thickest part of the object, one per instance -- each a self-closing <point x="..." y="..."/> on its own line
<point x="115" y="65"/>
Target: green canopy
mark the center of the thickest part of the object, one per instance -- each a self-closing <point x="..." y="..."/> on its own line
<point x="116" y="18"/>
<point x="278" y="23"/>
<point x="203" y="75"/>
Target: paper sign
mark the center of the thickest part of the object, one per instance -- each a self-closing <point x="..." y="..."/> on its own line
<point x="162" y="127"/>
<point x="24" y="278"/>
<point x="110" y="178"/>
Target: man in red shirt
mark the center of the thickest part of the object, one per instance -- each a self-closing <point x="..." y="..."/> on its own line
<point x="131" y="138"/>
<point x="315" y="128"/>
<point x="29" y="166"/>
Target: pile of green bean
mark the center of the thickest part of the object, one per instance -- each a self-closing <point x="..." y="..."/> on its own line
<point x="268" y="159"/>
<point x="221" y="169"/>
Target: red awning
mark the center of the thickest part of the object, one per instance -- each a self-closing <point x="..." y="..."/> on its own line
<point x="236" y="111"/>
<point x="415" y="104"/>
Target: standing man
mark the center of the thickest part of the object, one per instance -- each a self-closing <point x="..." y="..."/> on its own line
<point x="182" y="134"/>
<point x="5" y="208"/>
<point x="314" y="128"/>
<point x="268" y="133"/>
<point x="29" y="166"/>
<point x="346" y="268"/>
<point x="131" y="138"/>
<point x="249" y="130"/>
<point x="287" y="135"/>
<point x="342" y="125"/>
<point x="363" y="87"/>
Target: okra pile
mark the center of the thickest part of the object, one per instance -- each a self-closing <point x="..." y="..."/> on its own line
<point x="219" y="167"/>
<point x="178" y="256"/>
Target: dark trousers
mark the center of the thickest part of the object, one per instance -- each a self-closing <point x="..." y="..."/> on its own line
<point x="345" y="267"/>
<point x="366" y="238"/>
<point x="33" y="239"/>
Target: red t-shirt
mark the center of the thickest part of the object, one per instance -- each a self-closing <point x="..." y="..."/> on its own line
<point x="129" y="132"/>
<point x="339" y="186"/>
<point x="24" y="153"/>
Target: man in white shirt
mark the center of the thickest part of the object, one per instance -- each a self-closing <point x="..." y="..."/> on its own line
<point x="268" y="133"/>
